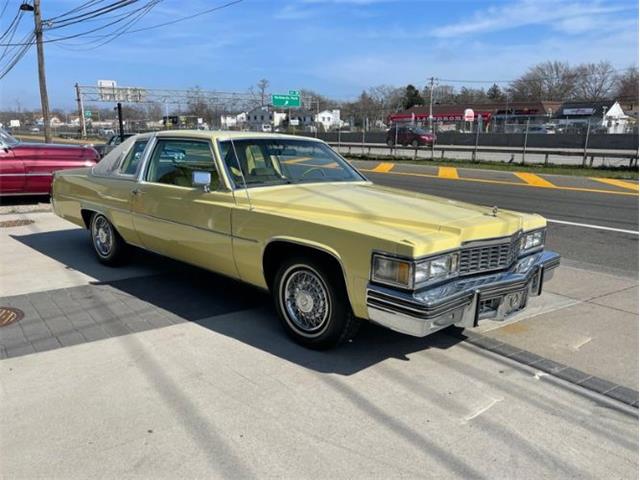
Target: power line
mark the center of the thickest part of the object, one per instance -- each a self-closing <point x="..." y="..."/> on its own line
<point x="65" y="22"/>
<point x="77" y="9"/>
<point x="137" y="16"/>
<point x="20" y="52"/>
<point x="14" y="22"/>
<point x="182" y="19"/>
<point x="80" y="34"/>
<point x="6" y="4"/>
<point x="102" y="27"/>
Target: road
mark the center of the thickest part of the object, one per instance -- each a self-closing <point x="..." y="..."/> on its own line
<point x="614" y="209"/>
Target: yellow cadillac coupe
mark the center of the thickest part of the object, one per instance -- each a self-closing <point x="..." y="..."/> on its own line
<point x="290" y="215"/>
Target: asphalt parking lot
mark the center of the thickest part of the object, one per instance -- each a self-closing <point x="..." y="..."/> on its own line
<point x="161" y="370"/>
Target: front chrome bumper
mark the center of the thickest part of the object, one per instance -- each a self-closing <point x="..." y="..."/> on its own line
<point x="463" y="301"/>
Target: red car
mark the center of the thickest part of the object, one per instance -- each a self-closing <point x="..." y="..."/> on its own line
<point x="409" y="135"/>
<point x="27" y="168"/>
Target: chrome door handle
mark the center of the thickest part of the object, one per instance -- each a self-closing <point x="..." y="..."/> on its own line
<point x="136" y="191"/>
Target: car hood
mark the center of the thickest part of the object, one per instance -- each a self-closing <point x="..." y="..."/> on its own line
<point x="411" y="218"/>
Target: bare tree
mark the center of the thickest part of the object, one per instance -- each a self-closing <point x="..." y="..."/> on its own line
<point x="545" y="81"/>
<point x="442" y="94"/>
<point x="595" y="81"/>
<point x="627" y="84"/>
<point x="262" y="86"/>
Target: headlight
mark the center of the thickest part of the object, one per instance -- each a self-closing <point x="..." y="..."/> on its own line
<point x="411" y="274"/>
<point x="437" y="268"/>
<point x="532" y="240"/>
<point x="392" y="270"/>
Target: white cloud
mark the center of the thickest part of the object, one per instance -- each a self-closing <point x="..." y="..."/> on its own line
<point x="572" y="17"/>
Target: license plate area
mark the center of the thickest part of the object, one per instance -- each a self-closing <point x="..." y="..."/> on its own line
<point x="499" y="307"/>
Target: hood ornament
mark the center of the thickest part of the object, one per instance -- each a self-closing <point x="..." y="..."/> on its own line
<point x="494" y="211"/>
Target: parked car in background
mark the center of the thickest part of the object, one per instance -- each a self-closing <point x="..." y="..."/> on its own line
<point x="113" y="142"/>
<point x="409" y="135"/>
<point x="544" y="129"/>
<point x="27" y="168"/>
<point x="291" y="216"/>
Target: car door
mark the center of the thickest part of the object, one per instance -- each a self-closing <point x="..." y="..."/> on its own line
<point x="12" y="179"/>
<point x="174" y="218"/>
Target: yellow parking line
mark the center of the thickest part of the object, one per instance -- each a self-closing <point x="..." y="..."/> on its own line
<point x="533" y="179"/>
<point x="448" y="172"/>
<point x="503" y="182"/>
<point x="384" y="167"/>
<point x="298" y="160"/>
<point x="617" y="183"/>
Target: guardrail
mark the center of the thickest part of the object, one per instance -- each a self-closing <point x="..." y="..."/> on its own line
<point x="474" y="150"/>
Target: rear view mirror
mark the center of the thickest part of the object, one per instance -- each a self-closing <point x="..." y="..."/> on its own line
<point x="201" y="179"/>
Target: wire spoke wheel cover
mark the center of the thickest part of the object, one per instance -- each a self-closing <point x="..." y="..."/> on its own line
<point x="102" y="234"/>
<point x="305" y="299"/>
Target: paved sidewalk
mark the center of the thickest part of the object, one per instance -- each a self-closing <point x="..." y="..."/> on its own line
<point x="161" y="370"/>
<point x="231" y="397"/>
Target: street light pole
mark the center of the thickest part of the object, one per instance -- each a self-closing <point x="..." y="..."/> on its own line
<point x="44" y="97"/>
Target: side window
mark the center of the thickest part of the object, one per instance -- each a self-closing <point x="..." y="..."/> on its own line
<point x="132" y="160"/>
<point x="174" y="161"/>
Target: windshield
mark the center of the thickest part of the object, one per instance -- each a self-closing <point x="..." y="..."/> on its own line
<point x="270" y="161"/>
<point x="7" y="139"/>
<point x="420" y="131"/>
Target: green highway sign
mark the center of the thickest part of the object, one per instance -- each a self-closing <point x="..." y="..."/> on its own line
<point x="294" y="92"/>
<point x="87" y="113"/>
<point x="281" y="100"/>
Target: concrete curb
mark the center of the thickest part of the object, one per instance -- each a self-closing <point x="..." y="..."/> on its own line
<point x="598" y="385"/>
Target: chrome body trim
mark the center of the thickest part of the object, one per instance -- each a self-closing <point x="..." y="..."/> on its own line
<point x="463" y="301"/>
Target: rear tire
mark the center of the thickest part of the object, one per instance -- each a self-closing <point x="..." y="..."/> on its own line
<point x="312" y="304"/>
<point x="107" y="242"/>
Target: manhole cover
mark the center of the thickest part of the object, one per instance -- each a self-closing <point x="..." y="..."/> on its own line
<point x="15" y="223"/>
<point x="9" y="315"/>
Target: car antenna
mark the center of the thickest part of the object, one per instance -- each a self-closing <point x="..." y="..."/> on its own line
<point x="244" y="182"/>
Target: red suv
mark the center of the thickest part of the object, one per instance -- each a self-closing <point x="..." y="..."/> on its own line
<point x="414" y="136"/>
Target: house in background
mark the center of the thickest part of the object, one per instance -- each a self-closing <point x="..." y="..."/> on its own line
<point x="233" y="122"/>
<point x="300" y="118"/>
<point x="329" y="119"/>
<point x="258" y="117"/>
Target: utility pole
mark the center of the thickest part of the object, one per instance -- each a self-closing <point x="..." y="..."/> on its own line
<point x="44" y="97"/>
<point x="432" y="82"/>
<point x="83" y="123"/>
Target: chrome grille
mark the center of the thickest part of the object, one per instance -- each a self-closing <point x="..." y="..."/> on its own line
<point x="487" y="256"/>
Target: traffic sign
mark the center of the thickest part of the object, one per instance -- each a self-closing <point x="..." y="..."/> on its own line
<point x="281" y="100"/>
<point x="469" y="115"/>
<point x="87" y="114"/>
<point x="294" y="92"/>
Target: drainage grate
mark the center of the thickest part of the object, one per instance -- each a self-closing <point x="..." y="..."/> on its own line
<point x="8" y="315"/>
<point x="15" y="223"/>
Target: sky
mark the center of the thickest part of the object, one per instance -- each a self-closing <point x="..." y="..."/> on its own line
<point x="334" y="47"/>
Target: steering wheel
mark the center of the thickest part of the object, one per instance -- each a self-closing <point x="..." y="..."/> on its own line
<point x="309" y="170"/>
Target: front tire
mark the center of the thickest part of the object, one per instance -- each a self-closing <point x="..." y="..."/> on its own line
<point x="312" y="304"/>
<point x="107" y="242"/>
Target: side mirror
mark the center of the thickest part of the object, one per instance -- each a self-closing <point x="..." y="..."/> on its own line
<point x="201" y="179"/>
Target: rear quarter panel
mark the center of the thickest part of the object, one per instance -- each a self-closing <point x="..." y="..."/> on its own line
<point x="75" y="190"/>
